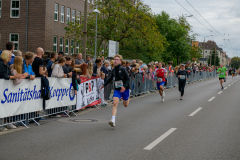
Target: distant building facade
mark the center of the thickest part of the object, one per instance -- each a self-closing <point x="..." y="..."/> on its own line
<point x="208" y="48"/>
<point x="39" y="23"/>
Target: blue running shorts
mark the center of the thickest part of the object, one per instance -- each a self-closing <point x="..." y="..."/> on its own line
<point x="124" y="95"/>
<point x="160" y="84"/>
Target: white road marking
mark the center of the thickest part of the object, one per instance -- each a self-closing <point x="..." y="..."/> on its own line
<point x="225" y="88"/>
<point x="197" y="110"/>
<point x="161" y="138"/>
<point x="211" y="99"/>
<point x="220" y="92"/>
<point x="229" y="85"/>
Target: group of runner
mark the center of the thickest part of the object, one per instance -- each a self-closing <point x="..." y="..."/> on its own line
<point x="121" y="81"/>
<point x="161" y="75"/>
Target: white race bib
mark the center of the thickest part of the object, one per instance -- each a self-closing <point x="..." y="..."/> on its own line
<point x="118" y="84"/>
<point x="159" y="79"/>
<point x="182" y="77"/>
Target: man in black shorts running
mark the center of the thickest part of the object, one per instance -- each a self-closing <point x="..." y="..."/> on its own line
<point x="222" y="74"/>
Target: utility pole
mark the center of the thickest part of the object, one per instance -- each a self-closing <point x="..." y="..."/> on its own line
<point x="215" y="56"/>
<point x="85" y="31"/>
<point x="95" y="52"/>
<point x="203" y="51"/>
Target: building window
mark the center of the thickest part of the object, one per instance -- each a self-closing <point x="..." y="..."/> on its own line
<point x="73" y="16"/>
<point x="55" y="44"/>
<point x="14" y="37"/>
<point x="0" y="8"/>
<point x="15" y="9"/>
<point x="78" y="17"/>
<point x="61" y="44"/>
<point x="77" y="48"/>
<point x="72" y="46"/>
<point x="89" y="1"/>
<point x="62" y="14"/>
<point x="92" y="1"/>
<point x="56" y="12"/>
<point x="68" y="15"/>
<point x="67" y="46"/>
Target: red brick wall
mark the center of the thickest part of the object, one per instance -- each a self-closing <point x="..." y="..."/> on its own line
<point x="41" y="25"/>
<point x="36" y="24"/>
<point x="12" y="25"/>
<point x="56" y="28"/>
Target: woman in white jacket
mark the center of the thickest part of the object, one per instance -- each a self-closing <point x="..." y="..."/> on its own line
<point x="58" y="70"/>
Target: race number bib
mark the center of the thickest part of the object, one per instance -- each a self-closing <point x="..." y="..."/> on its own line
<point x="222" y="73"/>
<point x="182" y="77"/>
<point x="118" y="84"/>
<point x="159" y="79"/>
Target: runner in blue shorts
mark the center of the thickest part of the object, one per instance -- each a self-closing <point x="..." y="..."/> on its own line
<point x="121" y="81"/>
<point x="161" y="74"/>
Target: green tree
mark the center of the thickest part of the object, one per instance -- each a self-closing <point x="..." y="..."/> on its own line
<point x="211" y="58"/>
<point x="177" y="35"/>
<point x="133" y="26"/>
<point x="235" y="62"/>
<point x="195" y="53"/>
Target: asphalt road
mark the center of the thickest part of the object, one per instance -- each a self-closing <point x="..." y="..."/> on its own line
<point x="204" y="125"/>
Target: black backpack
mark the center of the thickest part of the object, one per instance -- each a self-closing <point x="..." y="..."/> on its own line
<point x="45" y="89"/>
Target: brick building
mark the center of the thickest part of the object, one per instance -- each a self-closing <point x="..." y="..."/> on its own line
<point x="39" y="23"/>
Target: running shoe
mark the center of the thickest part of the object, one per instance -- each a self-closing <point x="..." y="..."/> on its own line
<point x="162" y="99"/>
<point x="222" y="87"/>
<point x="112" y="123"/>
<point x="181" y="98"/>
<point x="163" y="93"/>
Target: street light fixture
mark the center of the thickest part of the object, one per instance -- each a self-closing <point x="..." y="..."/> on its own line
<point x="189" y="15"/>
<point x="204" y="48"/>
<point x="96" y="11"/>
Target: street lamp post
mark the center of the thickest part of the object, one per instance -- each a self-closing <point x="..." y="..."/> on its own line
<point x="96" y="11"/>
<point x="85" y="31"/>
<point x="204" y="48"/>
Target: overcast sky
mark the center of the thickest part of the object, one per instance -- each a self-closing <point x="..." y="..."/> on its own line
<point x="223" y="17"/>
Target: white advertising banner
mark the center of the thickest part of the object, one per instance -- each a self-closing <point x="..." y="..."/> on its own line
<point x="62" y="93"/>
<point x="19" y="99"/>
<point x="26" y="97"/>
<point x="87" y="94"/>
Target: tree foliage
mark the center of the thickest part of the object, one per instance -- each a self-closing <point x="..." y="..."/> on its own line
<point x="235" y="62"/>
<point x="141" y="35"/>
<point x="195" y="53"/>
<point x="211" y="58"/>
<point x="133" y="26"/>
<point x="177" y="35"/>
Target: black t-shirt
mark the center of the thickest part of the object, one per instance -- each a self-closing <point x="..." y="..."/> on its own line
<point x="183" y="75"/>
<point x="119" y="73"/>
<point x="38" y="62"/>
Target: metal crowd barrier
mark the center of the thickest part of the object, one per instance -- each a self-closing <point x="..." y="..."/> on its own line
<point x="139" y="84"/>
<point x="25" y="119"/>
<point x="144" y="84"/>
